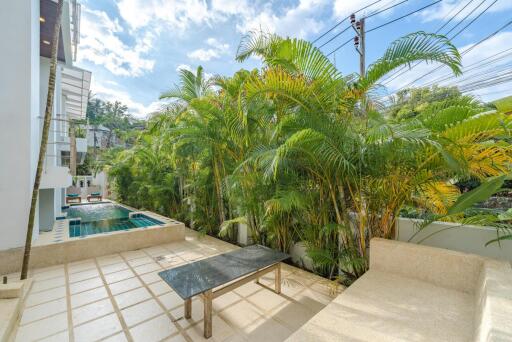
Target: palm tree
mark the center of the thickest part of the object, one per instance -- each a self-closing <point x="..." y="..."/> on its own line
<point x="287" y="151"/>
<point x="44" y="138"/>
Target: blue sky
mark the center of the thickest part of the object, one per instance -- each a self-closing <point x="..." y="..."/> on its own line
<point x="135" y="47"/>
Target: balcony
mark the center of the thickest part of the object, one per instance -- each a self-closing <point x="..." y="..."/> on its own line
<point x="56" y="177"/>
<point x="81" y="144"/>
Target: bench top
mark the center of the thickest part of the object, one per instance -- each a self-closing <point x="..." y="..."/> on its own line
<point x="203" y="275"/>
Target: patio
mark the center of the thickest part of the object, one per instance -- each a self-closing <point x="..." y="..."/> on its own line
<point x="120" y="297"/>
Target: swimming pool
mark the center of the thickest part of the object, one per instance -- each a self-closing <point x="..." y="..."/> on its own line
<point x="97" y="218"/>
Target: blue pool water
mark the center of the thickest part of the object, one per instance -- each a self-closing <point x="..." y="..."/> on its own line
<point x="104" y="217"/>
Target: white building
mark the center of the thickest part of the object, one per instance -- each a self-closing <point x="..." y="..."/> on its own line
<point x="27" y="27"/>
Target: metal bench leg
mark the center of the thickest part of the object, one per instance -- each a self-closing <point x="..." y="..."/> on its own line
<point x="277" y="279"/>
<point x="188" y="308"/>
<point x="207" y="301"/>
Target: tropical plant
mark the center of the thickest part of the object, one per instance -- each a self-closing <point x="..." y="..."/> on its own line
<point x="297" y="151"/>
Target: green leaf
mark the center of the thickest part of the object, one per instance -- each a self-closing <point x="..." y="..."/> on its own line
<point x="480" y="194"/>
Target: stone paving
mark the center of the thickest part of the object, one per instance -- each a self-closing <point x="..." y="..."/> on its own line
<point x="120" y="297"/>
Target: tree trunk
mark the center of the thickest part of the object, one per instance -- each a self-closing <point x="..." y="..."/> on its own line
<point x="44" y="139"/>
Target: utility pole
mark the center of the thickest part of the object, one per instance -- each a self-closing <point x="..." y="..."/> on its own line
<point x="359" y="42"/>
<point x="360" y="45"/>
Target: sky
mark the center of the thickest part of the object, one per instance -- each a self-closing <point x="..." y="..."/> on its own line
<point x="135" y="48"/>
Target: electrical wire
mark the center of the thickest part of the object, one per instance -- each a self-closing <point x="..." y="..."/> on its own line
<point x="474" y="19"/>
<point x="405" y="69"/>
<point x="484" y="62"/>
<point x="341" y="21"/>
<point x="404" y="16"/>
<point x="368" y="16"/>
<point x="462" y="54"/>
<point x="386" y="23"/>
<point x="465" y="17"/>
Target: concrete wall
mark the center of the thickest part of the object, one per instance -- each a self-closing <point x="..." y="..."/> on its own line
<point x="46" y="209"/>
<point x="469" y="239"/>
<point x="19" y="96"/>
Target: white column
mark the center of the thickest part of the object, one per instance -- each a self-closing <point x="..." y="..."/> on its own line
<point x="19" y="111"/>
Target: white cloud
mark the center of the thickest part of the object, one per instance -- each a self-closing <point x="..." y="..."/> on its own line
<point x="295" y="20"/>
<point x="101" y="45"/>
<point x="344" y="8"/>
<point x="113" y="93"/>
<point x="487" y="49"/>
<point x="298" y="21"/>
<point x="176" y="14"/>
<point x="448" y="8"/>
<point x="184" y="67"/>
<point x="216" y="49"/>
<point x="188" y="67"/>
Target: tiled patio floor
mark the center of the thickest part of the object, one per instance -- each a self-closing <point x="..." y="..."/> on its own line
<point x="120" y="297"/>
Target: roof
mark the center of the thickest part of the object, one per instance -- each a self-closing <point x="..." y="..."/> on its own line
<point x="75" y="83"/>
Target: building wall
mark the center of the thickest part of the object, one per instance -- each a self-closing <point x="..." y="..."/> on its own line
<point x="19" y="96"/>
<point x="468" y="239"/>
<point x="46" y="209"/>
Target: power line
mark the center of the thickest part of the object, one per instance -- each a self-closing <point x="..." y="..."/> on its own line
<point x="505" y="78"/>
<point x="483" y="76"/>
<point x="466" y="16"/>
<point x="385" y="9"/>
<point x="473" y="66"/>
<point x="402" y="71"/>
<point x="459" y="32"/>
<point x="474" y="19"/>
<point x="386" y="23"/>
<point x="404" y="16"/>
<point x="368" y="16"/>
<point x="462" y="54"/>
<point x="454" y="16"/>
<point x="341" y="21"/>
